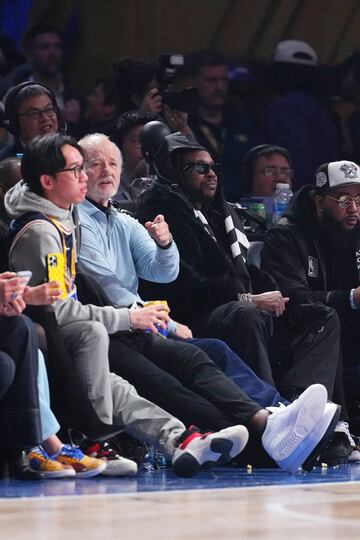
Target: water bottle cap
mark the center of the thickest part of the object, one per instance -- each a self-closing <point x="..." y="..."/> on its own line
<point x="282" y="186"/>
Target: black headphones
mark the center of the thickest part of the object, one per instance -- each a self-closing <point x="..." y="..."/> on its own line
<point x="249" y="160"/>
<point x="10" y="120"/>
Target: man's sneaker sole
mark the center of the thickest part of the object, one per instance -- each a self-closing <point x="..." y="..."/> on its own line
<point x="215" y="449"/>
<point x="312" y="459"/>
<point x="65" y="473"/>
<point x="89" y="473"/>
<point x="308" y="451"/>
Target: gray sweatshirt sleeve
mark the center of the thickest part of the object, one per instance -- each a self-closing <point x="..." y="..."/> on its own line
<point x="29" y="251"/>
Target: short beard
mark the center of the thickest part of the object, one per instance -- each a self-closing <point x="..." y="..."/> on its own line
<point x="340" y="237"/>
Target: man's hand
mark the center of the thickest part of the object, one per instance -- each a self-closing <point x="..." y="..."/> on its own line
<point x="177" y="120"/>
<point x="13" y="308"/>
<point x="272" y="302"/>
<point x="158" y="230"/>
<point x="43" y="295"/>
<point x="11" y="286"/>
<point x="183" y="331"/>
<point x="148" y="318"/>
<point x="152" y="101"/>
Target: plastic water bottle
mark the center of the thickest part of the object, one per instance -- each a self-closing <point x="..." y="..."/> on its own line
<point x="282" y="197"/>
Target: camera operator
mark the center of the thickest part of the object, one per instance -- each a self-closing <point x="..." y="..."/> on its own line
<point x="144" y="85"/>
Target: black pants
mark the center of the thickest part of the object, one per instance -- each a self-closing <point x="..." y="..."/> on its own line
<point x="245" y="328"/>
<point x="7" y="372"/>
<point x="301" y="358"/>
<point x="289" y="360"/>
<point x="180" y="378"/>
<point x="19" y="407"/>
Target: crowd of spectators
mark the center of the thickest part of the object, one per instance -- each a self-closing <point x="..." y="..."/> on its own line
<point x="136" y="193"/>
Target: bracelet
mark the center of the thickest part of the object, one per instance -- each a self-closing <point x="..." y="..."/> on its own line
<point x="352" y="302"/>
<point x="168" y="244"/>
<point x="244" y="297"/>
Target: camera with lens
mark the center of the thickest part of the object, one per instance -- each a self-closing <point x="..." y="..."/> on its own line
<point x="170" y="78"/>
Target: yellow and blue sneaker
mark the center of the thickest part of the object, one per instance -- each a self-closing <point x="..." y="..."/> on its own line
<point x="84" y="466"/>
<point x="41" y="462"/>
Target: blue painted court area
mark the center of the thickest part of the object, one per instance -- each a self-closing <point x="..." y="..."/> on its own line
<point x="165" y="480"/>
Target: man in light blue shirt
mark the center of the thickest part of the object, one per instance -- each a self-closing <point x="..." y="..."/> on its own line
<point x="116" y="250"/>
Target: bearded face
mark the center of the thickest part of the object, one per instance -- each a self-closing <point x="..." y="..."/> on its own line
<point x="339" y="236"/>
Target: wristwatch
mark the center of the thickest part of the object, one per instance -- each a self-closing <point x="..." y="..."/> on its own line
<point x="168" y="244"/>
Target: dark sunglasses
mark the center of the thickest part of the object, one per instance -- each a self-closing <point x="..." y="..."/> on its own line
<point x="201" y="167"/>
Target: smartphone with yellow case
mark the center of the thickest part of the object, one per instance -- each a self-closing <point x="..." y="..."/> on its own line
<point x="56" y="268"/>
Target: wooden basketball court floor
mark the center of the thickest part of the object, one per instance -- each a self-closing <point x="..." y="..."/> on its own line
<point x="222" y="504"/>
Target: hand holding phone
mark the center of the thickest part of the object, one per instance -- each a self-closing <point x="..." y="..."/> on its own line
<point x="56" y="269"/>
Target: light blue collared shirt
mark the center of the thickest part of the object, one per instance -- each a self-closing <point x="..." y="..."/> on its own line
<point x="117" y="250"/>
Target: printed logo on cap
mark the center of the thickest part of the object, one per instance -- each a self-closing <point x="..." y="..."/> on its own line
<point x="321" y="179"/>
<point x="349" y="170"/>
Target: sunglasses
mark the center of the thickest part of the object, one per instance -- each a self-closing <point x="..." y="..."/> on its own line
<point x="201" y="167"/>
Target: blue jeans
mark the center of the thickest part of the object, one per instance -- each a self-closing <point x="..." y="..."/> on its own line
<point x="236" y="369"/>
<point x="48" y="422"/>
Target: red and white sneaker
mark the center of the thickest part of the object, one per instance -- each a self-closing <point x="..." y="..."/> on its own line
<point x="116" y="465"/>
<point x="196" y="450"/>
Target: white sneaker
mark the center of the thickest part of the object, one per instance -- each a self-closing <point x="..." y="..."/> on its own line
<point x="195" y="450"/>
<point x="343" y="427"/>
<point x="294" y="432"/>
<point x="116" y="465"/>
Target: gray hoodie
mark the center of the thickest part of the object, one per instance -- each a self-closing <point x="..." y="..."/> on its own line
<point x="32" y="244"/>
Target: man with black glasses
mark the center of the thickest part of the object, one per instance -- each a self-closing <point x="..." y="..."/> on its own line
<point x="314" y="254"/>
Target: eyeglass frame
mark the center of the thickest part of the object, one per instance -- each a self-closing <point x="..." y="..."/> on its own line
<point x="35" y="114"/>
<point x="272" y="170"/>
<point x="345" y="203"/>
<point x="76" y="169"/>
<point x="209" y="166"/>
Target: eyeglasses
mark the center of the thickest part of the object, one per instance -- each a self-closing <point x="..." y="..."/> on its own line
<point x="276" y="172"/>
<point x="35" y="114"/>
<point x="344" y="201"/>
<point x="201" y="167"/>
<point x="76" y="170"/>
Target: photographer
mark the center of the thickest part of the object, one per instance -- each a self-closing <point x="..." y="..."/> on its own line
<point x="143" y="84"/>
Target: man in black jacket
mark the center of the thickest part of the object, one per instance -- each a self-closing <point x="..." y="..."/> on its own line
<point x="217" y="293"/>
<point x="314" y="255"/>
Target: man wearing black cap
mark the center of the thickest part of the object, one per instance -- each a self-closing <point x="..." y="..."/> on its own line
<point x="313" y="252"/>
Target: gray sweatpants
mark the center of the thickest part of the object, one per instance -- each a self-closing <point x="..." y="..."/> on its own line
<point x="114" y="399"/>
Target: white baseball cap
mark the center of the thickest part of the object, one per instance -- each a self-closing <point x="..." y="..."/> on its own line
<point x="293" y="51"/>
<point x="336" y="174"/>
